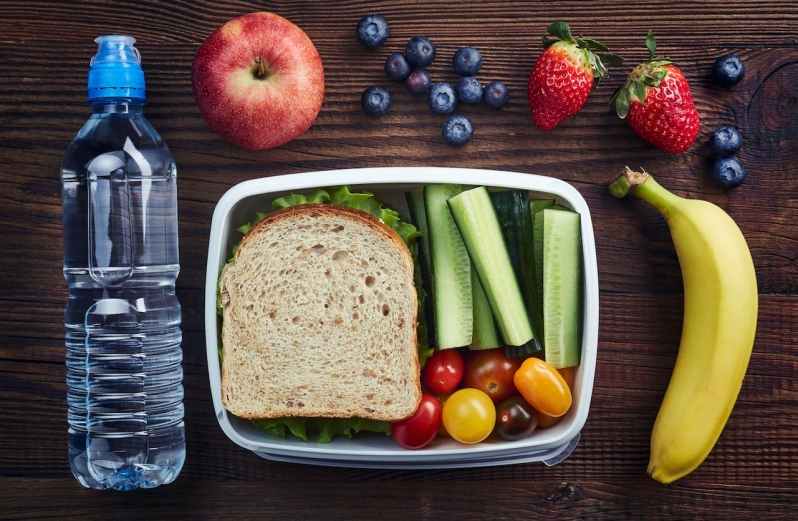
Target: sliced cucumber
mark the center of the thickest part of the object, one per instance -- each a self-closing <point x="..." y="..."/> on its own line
<point x="537" y="241"/>
<point x="415" y="203"/>
<point x="561" y="283"/>
<point x="451" y="270"/>
<point x="486" y="335"/>
<point x="513" y="211"/>
<point x="476" y="219"/>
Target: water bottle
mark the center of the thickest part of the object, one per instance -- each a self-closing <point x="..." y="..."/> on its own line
<point x="123" y="337"/>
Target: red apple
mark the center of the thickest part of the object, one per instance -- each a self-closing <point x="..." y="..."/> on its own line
<point x="258" y="81"/>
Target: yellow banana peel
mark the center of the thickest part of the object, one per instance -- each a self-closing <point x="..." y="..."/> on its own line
<point x="720" y="315"/>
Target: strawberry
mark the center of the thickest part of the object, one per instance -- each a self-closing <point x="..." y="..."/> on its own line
<point x="657" y="103"/>
<point x="564" y="75"/>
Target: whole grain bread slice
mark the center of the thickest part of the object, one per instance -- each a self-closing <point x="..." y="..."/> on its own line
<point x="319" y="318"/>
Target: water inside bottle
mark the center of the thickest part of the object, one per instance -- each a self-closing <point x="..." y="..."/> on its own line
<point x="123" y="319"/>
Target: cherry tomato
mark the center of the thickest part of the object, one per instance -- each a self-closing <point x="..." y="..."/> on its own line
<point x="443" y="371"/>
<point x="469" y="415"/>
<point x="544" y="421"/>
<point x="491" y="372"/>
<point x="568" y="374"/>
<point x="421" y="428"/>
<point x="515" y="418"/>
<point x="442" y="429"/>
<point x="543" y="387"/>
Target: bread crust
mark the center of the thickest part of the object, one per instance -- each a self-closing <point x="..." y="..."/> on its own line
<point x="234" y="328"/>
<point x="326" y="209"/>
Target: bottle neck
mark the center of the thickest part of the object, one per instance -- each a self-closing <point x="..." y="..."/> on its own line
<point x="117" y="106"/>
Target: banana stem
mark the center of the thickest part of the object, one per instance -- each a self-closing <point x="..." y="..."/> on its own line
<point x="644" y="186"/>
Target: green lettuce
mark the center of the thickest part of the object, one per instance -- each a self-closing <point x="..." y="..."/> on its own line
<point x="327" y="428"/>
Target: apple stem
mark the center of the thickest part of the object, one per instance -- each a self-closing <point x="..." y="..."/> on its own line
<point x="260" y="68"/>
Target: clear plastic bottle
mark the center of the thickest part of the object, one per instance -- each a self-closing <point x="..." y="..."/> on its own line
<point x="123" y="337"/>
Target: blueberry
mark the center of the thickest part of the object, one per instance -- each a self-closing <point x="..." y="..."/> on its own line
<point x="441" y="98"/>
<point x="728" y="70"/>
<point x="458" y="130"/>
<point x="420" y="52"/>
<point x="725" y="142"/>
<point x="418" y="81"/>
<point x="469" y="90"/>
<point x="495" y="95"/>
<point x="396" y="67"/>
<point x="375" y="101"/>
<point x="467" y="61"/>
<point x="372" y="31"/>
<point x="728" y="172"/>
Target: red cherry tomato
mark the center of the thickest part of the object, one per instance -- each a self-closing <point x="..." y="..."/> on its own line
<point x="543" y="387"/>
<point x="421" y="428"/>
<point x="491" y="372"/>
<point x="443" y="371"/>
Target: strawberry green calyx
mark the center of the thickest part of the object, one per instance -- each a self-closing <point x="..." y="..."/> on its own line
<point x="649" y="74"/>
<point x="598" y="60"/>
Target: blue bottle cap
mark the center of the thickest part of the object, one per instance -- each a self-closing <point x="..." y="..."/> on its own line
<point x="116" y="69"/>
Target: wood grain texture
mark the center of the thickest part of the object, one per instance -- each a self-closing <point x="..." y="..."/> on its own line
<point x="45" y="47"/>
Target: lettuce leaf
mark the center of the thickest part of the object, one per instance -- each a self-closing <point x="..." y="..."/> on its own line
<point x="328" y="428"/>
<point x="325" y="428"/>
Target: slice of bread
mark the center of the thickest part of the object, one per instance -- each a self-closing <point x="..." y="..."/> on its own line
<point x="319" y="318"/>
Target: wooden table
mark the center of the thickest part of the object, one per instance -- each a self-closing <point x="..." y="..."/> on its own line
<point x="44" y="56"/>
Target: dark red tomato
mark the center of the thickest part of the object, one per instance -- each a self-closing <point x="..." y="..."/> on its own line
<point x="492" y="372"/>
<point x="442" y="429"/>
<point x="421" y="428"/>
<point x="515" y="418"/>
<point x="443" y="371"/>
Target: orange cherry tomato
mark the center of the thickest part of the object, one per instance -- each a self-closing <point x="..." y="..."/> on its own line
<point x="568" y="374"/>
<point x="545" y="422"/>
<point x="543" y="387"/>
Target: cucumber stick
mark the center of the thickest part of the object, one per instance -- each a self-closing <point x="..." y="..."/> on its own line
<point x="514" y="214"/>
<point x="486" y="335"/>
<point x="561" y="280"/>
<point x="537" y="242"/>
<point x="415" y="204"/>
<point x="450" y="270"/>
<point x="476" y="219"/>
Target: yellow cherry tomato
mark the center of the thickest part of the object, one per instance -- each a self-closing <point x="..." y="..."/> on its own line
<point x="543" y="387"/>
<point x="469" y="415"/>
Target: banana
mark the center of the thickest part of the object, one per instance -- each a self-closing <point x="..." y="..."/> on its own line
<point x="720" y="315"/>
